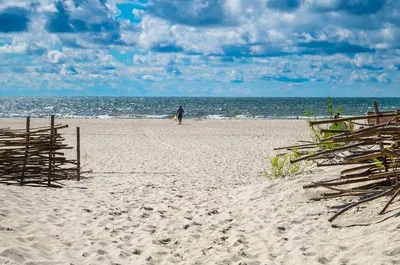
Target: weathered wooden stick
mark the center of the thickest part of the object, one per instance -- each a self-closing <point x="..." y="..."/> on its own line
<point x="327" y="196"/>
<point x="341" y="164"/>
<point x="358" y="203"/>
<point x="376" y="111"/>
<point x="50" y="151"/>
<point x="366" y="157"/>
<point x="352" y="118"/>
<point x="356" y="175"/>
<point x="342" y="182"/>
<point x="28" y="122"/>
<point x="390" y="201"/>
<point x="23" y="130"/>
<point x="78" y="154"/>
<point x="325" y="152"/>
<point x="300" y="146"/>
<point x="335" y="131"/>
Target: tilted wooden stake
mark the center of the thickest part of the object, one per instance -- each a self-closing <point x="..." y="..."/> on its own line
<point x="78" y="154"/>
<point x="28" y="123"/>
<point x="50" y="150"/>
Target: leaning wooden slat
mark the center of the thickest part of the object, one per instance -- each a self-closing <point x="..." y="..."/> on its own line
<point x="22" y="130"/>
<point x="341" y="164"/>
<point x="352" y="118"/>
<point x="390" y="201"/>
<point x="343" y="182"/>
<point x="365" y="131"/>
<point x="366" y="157"/>
<point x="356" y="175"/>
<point x="326" y="152"/>
<point x="30" y="159"/>
<point x="385" y="174"/>
<point x="360" y="202"/>
<point x="335" y="131"/>
<point x="49" y="129"/>
<point x="326" y="196"/>
<point x="331" y="187"/>
<point x="300" y="146"/>
<point x="373" y="186"/>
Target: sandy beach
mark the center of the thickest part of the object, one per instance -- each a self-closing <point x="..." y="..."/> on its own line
<point x="158" y="193"/>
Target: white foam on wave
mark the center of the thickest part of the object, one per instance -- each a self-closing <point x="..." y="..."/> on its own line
<point x="104" y="117"/>
<point x="246" y="117"/>
<point x="153" y="116"/>
<point x="71" y="116"/>
<point x="216" y="117"/>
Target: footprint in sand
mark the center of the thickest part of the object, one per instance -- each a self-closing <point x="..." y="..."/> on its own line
<point x="101" y="252"/>
<point x="13" y="254"/>
<point x="136" y="251"/>
<point x="125" y="254"/>
<point x="164" y="241"/>
<point x="214" y="211"/>
<point x="393" y="252"/>
<point x="147" y="208"/>
<point x="323" y="260"/>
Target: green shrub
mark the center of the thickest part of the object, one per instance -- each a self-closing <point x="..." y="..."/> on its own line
<point x="280" y="166"/>
<point x="316" y="134"/>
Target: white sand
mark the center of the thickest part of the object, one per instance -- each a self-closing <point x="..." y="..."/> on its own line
<point x="191" y="194"/>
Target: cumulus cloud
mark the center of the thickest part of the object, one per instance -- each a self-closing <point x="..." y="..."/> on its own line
<point x="230" y="41"/>
<point x="383" y="78"/>
<point x="80" y="16"/>
<point x="368" y="76"/>
<point x="55" y="57"/>
<point x="149" y="78"/>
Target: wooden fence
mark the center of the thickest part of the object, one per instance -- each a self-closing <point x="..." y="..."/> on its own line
<point x="34" y="156"/>
<point x="370" y="152"/>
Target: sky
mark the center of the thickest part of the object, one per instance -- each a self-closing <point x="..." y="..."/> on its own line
<point x="246" y="48"/>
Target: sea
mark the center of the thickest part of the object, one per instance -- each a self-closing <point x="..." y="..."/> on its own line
<point x="195" y="107"/>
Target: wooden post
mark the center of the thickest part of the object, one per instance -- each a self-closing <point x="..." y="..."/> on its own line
<point x="28" y="124"/>
<point x="385" y="164"/>
<point x="54" y="153"/>
<point x="51" y="151"/>
<point x="78" y="154"/>
<point x="376" y="111"/>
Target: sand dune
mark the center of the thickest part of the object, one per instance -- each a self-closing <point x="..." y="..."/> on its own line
<point x="159" y="193"/>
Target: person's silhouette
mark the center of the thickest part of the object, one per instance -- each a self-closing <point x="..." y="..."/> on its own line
<point x="179" y="113"/>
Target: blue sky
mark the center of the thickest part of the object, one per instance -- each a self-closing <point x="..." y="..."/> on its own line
<point x="200" y="47"/>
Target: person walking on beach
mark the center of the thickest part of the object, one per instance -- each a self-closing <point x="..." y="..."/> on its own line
<point x="179" y="113"/>
<point x="337" y="116"/>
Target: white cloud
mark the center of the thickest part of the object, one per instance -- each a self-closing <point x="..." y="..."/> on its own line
<point x="55" y="57"/>
<point x="299" y="41"/>
<point x="361" y="60"/>
<point x="383" y="78"/>
<point x="138" y="13"/>
<point x="150" y="78"/>
<point x="14" y="48"/>
<point x="154" y="59"/>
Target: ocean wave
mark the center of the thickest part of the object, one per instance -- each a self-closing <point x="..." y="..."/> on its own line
<point x="215" y="117"/>
<point x="153" y="116"/>
<point x="196" y="108"/>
